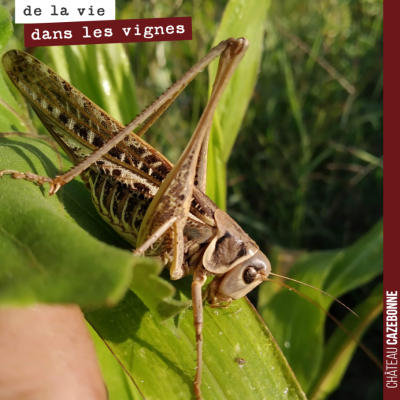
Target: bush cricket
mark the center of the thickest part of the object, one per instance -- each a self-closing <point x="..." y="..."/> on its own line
<point x="159" y="208"/>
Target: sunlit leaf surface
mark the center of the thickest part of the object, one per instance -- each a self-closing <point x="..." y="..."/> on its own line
<point x="46" y="255"/>
<point x="160" y="357"/>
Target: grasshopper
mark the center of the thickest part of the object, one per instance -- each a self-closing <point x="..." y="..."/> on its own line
<point x="158" y="207"/>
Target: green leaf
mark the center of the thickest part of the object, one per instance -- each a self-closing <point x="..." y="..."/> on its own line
<point x="360" y="263"/>
<point x="48" y="254"/>
<point x="155" y="292"/>
<point x="295" y="106"/>
<point x="299" y="324"/>
<point x="10" y="120"/>
<point x="119" y="385"/>
<point x="296" y="323"/>
<point x="240" y="19"/>
<point x="46" y="257"/>
<point x="341" y="347"/>
<point x="160" y="358"/>
<point x="359" y="153"/>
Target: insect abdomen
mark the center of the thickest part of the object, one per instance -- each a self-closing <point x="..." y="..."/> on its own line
<point x="121" y="207"/>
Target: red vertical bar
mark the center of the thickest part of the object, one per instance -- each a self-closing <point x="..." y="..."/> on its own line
<point x="391" y="60"/>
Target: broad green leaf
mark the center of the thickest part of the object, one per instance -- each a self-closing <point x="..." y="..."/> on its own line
<point x="10" y="120"/>
<point x="241" y="19"/>
<point x="341" y="347"/>
<point x="298" y="324"/>
<point x="160" y="358"/>
<point x="146" y="281"/>
<point x="360" y="263"/>
<point x="121" y="94"/>
<point x="48" y="250"/>
<point x="119" y="385"/>
<point x="45" y="257"/>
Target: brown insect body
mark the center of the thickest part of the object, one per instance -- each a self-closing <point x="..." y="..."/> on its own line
<point x="124" y="182"/>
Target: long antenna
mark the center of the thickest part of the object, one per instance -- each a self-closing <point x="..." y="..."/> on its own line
<point x="313" y="287"/>
<point x="341" y="326"/>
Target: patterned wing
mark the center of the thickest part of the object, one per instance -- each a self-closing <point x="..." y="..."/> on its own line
<point x="80" y="126"/>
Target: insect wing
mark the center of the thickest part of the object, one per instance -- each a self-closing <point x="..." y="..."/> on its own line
<point x="80" y="126"/>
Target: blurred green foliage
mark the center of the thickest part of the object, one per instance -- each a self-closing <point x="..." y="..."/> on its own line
<point x="313" y="195"/>
<point x="306" y="169"/>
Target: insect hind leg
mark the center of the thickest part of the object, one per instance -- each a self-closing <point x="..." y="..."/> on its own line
<point x="173" y="198"/>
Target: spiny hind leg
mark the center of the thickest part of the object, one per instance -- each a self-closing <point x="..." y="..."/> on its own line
<point x="226" y="62"/>
<point x="173" y="199"/>
<point x="148" y="116"/>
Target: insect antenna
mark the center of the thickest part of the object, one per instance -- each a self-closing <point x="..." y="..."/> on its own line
<point x="313" y="287"/>
<point x="334" y="319"/>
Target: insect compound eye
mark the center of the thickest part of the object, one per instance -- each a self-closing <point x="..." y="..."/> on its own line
<point x="249" y="275"/>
